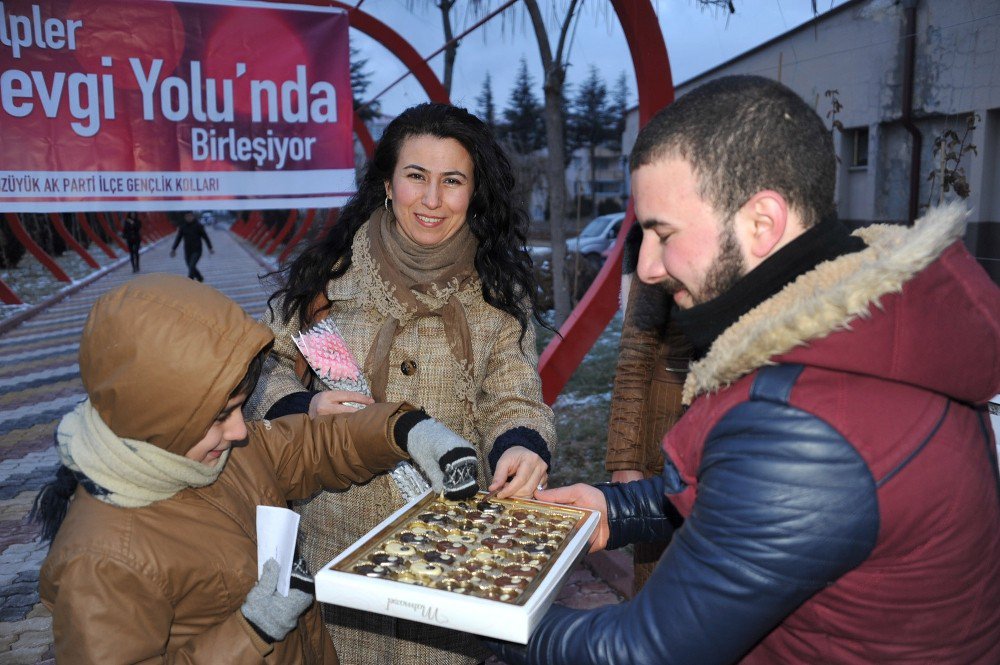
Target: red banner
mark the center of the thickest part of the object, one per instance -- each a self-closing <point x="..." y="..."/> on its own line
<point x="173" y="105"/>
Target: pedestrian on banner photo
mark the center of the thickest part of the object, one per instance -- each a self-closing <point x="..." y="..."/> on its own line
<point x="831" y="492"/>
<point x="192" y="233"/>
<point x="132" y="235"/>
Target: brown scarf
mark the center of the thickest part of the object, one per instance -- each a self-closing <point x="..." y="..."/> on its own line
<point x="437" y="272"/>
<point x="405" y="267"/>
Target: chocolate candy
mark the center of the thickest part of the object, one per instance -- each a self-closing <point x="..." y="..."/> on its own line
<point x="494" y="592"/>
<point x="397" y="548"/>
<point x="520" y="570"/>
<point x="422" y="529"/>
<point x="439" y="557"/>
<point x="371" y="570"/>
<point x="470" y="528"/>
<point x="508" y="520"/>
<point x="460" y="575"/>
<point x="529" y="558"/>
<point x="407" y="578"/>
<point x="490" y="507"/>
<point x="451" y="584"/>
<point x="387" y="560"/>
<point x="480" y="516"/>
<point x="434" y="518"/>
<point x="543" y="549"/>
<point x="498" y="543"/>
<point x="414" y="538"/>
<point x="461" y="538"/>
<point x="426" y="568"/>
<point x="485" y="555"/>
<point x="510" y="583"/>
<point x="451" y="547"/>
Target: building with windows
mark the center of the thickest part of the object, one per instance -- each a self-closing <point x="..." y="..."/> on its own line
<point x="901" y="83"/>
<point x="608" y="181"/>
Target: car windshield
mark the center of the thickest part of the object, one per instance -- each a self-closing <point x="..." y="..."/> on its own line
<point x="595" y="227"/>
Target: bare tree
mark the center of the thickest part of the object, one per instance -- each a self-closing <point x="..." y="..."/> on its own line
<point x="444" y="7"/>
<point x="554" y="65"/>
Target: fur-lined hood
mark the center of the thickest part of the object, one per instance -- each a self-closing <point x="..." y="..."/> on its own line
<point x="912" y="307"/>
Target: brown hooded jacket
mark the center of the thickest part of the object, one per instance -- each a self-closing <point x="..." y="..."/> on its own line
<point x="164" y="583"/>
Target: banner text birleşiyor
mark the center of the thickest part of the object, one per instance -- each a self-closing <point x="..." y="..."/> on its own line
<point x="91" y="97"/>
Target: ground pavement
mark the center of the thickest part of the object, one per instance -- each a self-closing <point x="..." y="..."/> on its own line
<point x="39" y="382"/>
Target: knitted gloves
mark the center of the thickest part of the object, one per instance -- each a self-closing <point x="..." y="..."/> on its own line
<point x="272" y="615"/>
<point x="448" y="460"/>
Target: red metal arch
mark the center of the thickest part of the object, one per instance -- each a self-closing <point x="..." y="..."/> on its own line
<point x="591" y="315"/>
<point x="398" y="46"/>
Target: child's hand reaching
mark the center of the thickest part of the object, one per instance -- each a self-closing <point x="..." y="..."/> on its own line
<point x="272" y="615"/>
<point x="448" y="460"/>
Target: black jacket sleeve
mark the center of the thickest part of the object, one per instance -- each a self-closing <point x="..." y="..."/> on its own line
<point x="638" y="512"/>
<point x="291" y="403"/>
<point x="204" y="234"/>
<point x="177" y="238"/>
<point x="785" y="507"/>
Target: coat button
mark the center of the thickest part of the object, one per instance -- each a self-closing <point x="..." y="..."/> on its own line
<point x="408" y="367"/>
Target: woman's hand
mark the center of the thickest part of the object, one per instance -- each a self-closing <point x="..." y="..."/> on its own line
<point x="330" y="402"/>
<point x="519" y="473"/>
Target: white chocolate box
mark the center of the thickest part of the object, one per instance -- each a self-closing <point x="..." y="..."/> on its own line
<point x="501" y="589"/>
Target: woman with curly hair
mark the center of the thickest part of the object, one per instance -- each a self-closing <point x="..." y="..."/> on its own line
<point x="427" y="277"/>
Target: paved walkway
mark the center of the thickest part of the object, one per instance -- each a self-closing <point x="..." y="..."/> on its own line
<point x="39" y="382"/>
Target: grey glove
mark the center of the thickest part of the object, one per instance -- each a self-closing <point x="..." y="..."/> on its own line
<point x="448" y="460"/>
<point x="272" y="615"/>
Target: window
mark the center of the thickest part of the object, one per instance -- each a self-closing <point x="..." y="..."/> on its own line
<point x="859" y="147"/>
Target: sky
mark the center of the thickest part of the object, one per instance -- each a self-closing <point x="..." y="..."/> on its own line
<point x="697" y="39"/>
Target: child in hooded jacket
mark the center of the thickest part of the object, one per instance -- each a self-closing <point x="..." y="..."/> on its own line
<point x="152" y="514"/>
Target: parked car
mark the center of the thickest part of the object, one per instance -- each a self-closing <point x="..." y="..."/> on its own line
<point x="597" y="236"/>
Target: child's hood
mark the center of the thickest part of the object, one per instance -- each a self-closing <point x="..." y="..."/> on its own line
<point x="160" y="356"/>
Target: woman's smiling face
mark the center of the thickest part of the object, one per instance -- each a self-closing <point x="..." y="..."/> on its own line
<point x="431" y="188"/>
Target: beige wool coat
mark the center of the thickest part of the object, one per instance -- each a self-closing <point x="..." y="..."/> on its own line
<point x="499" y="392"/>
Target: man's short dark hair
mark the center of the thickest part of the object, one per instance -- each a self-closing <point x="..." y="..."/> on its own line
<point x="744" y="134"/>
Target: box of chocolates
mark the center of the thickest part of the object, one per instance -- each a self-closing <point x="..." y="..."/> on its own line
<point x="485" y="565"/>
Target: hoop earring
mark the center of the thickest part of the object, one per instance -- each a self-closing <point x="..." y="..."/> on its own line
<point x="387" y="209"/>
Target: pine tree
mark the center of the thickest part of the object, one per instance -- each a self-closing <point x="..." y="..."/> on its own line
<point x="523" y="124"/>
<point x="619" y="102"/>
<point x="487" y="109"/>
<point x="360" y="82"/>
<point x="591" y="119"/>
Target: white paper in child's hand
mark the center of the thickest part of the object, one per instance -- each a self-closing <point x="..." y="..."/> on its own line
<point x="277" y="529"/>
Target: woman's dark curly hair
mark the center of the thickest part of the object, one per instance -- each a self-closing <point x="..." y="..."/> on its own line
<point x="499" y="225"/>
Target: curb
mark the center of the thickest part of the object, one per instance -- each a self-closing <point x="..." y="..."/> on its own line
<point x="14" y="320"/>
<point x="615" y="568"/>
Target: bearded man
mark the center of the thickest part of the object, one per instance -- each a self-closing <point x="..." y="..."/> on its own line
<point x="835" y="469"/>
